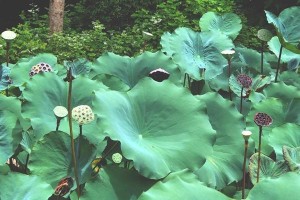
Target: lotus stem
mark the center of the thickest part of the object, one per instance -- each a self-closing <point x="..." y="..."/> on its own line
<point x="57" y="123"/>
<point x="259" y="152"/>
<point x="229" y="74"/>
<point x="71" y="132"/>
<point x="244" y="169"/>
<point x="7" y="52"/>
<point x="79" y="141"/>
<point x="262" y="58"/>
<point x="278" y="63"/>
<point x="26" y="163"/>
<point x="241" y="104"/>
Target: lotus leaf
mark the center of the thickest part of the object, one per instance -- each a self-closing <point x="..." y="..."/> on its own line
<point x="20" y="72"/>
<point x="286" y="186"/>
<point x="15" y="186"/>
<point x="46" y="91"/>
<point x="4" y="77"/>
<point x="292" y="158"/>
<point x="10" y="127"/>
<point x="51" y="158"/>
<point x="287" y="26"/>
<point x="286" y="55"/>
<point x="223" y="165"/>
<point x="228" y="23"/>
<point x="285" y="135"/>
<point x="159" y="125"/>
<point x="181" y="185"/>
<point x="268" y="168"/>
<point x="131" y="70"/>
<point x="115" y="183"/>
<point x="193" y="51"/>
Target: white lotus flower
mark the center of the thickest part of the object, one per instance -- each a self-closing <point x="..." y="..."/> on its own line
<point x="8" y="35"/>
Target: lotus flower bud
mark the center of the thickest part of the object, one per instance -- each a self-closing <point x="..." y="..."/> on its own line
<point x="83" y="114"/>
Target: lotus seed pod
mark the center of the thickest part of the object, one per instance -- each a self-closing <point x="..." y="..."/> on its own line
<point x="82" y="114"/>
<point x="264" y="35"/>
<point x="246" y="134"/>
<point x="244" y="80"/>
<point x="262" y="119"/>
<point x="117" y="158"/>
<point x="8" y="35"/>
<point x="41" y="67"/>
<point x="60" y="111"/>
<point x="228" y="53"/>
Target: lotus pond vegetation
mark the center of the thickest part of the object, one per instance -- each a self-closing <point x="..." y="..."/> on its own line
<point x="204" y="118"/>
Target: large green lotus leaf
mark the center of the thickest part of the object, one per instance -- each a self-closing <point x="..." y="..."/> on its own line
<point x="131" y="70"/>
<point x="223" y="165"/>
<point x="268" y="168"/>
<point x="228" y="23"/>
<point x="287" y="23"/>
<point x="51" y="158"/>
<point x="181" y="185"/>
<point x="115" y="183"/>
<point x="290" y="78"/>
<point x="7" y="123"/>
<point x="282" y="104"/>
<point x="20" y="72"/>
<point x="274" y="108"/>
<point x="112" y="82"/>
<point x="292" y="158"/>
<point x="244" y="61"/>
<point x="286" y="186"/>
<point x="46" y="91"/>
<point x="11" y="124"/>
<point x="285" y="135"/>
<point x="4" y="77"/>
<point x="286" y="55"/>
<point x="193" y="51"/>
<point x="159" y="125"/>
<point x="249" y="60"/>
<point x="15" y="186"/>
<point x="78" y="67"/>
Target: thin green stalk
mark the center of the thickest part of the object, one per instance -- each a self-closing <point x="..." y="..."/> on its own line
<point x="229" y="74"/>
<point x="278" y="63"/>
<point x="244" y="169"/>
<point x="79" y="141"/>
<point x="57" y="123"/>
<point x="259" y="152"/>
<point x="262" y="58"/>
<point x="71" y="133"/>
<point x="7" y="53"/>
<point x="26" y="163"/>
<point x="241" y="104"/>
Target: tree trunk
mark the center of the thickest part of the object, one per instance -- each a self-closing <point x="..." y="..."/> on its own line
<point x="56" y="15"/>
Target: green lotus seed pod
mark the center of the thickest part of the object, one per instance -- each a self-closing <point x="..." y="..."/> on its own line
<point x="83" y="114"/>
<point x="117" y="158"/>
<point x="8" y="35"/>
<point x="228" y="53"/>
<point x="60" y="111"/>
<point x="264" y="35"/>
